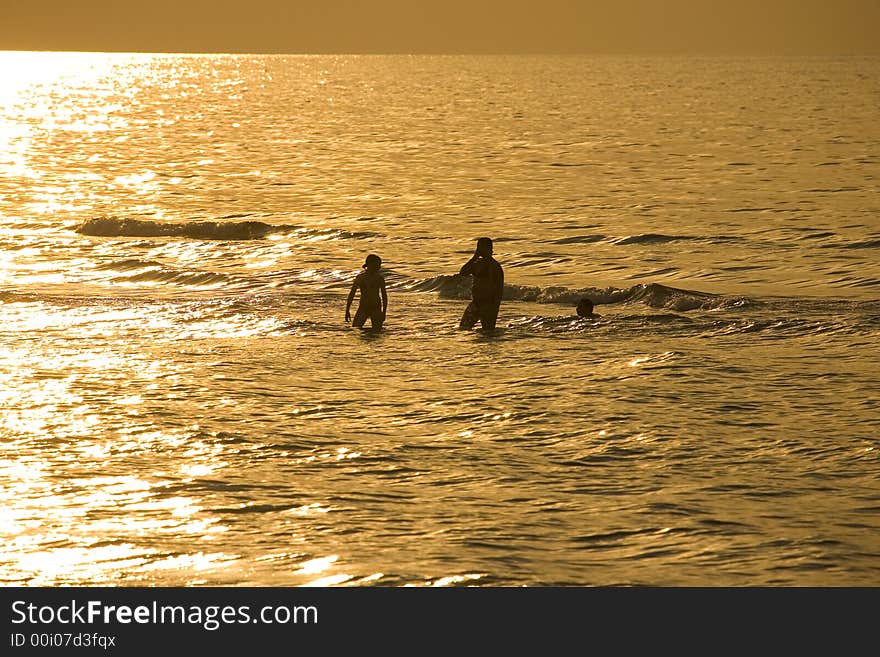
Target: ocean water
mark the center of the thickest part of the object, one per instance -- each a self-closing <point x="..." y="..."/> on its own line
<point x="182" y="403"/>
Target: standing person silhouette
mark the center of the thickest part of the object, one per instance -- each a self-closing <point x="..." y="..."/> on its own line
<point x="371" y="284"/>
<point x="487" y="289"/>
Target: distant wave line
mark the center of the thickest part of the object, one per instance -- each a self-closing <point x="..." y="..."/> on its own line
<point x="206" y="230"/>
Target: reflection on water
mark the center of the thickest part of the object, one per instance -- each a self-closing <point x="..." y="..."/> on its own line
<point x="182" y="404"/>
<point x="160" y="455"/>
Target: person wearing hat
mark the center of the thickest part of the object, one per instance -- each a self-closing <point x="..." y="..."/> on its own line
<point x="487" y="288"/>
<point x="372" y="285"/>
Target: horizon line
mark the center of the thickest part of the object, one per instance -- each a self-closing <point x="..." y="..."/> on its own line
<point x="448" y="53"/>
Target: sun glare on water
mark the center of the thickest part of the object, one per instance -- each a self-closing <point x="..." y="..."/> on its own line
<point x="20" y="70"/>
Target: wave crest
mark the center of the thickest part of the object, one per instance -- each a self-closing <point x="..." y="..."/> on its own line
<point x="652" y="238"/>
<point x="211" y="230"/>
<point x="205" y="230"/>
<point x="653" y="295"/>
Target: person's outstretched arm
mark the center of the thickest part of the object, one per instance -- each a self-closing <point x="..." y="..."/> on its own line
<point x="468" y="267"/>
<point x="384" y="298"/>
<point x="351" y="294"/>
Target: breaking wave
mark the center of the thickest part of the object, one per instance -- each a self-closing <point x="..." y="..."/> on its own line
<point x="205" y="230"/>
<point x="653" y="295"/>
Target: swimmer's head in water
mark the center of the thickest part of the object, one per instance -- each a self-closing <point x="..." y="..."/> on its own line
<point x="585" y="307"/>
<point x="484" y="246"/>
<point x="373" y="262"/>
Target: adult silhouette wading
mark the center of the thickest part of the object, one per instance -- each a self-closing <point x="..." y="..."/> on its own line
<point x="487" y="288"/>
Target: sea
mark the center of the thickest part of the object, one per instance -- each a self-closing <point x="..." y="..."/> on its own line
<point x="183" y="404"/>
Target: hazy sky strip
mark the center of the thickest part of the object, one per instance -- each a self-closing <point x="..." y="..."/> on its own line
<point x="818" y="27"/>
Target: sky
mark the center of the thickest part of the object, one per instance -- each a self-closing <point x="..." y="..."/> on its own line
<point x="811" y="27"/>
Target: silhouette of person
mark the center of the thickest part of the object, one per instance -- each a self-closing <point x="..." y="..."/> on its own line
<point x="371" y="284"/>
<point x="487" y="288"/>
<point x="585" y="308"/>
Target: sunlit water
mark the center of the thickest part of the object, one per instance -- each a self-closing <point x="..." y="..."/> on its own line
<point x="182" y="403"/>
